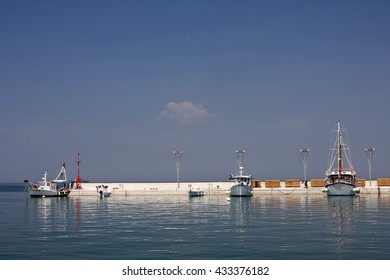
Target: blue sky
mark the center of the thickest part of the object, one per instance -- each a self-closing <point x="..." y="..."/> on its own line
<point x="124" y="83"/>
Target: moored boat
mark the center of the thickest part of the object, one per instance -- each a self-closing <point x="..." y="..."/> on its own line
<point x="54" y="188"/>
<point x="340" y="176"/>
<point x="103" y="191"/>
<point x="243" y="182"/>
<point x="195" y="191"/>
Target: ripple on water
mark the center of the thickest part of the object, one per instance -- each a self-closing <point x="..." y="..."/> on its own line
<point x="266" y="227"/>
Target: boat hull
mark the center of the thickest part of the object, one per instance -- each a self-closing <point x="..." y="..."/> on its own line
<point x="104" y="194"/>
<point x="196" y="193"/>
<point x="340" y="189"/>
<point x="103" y="191"/>
<point x="241" y="190"/>
<point x="48" y="193"/>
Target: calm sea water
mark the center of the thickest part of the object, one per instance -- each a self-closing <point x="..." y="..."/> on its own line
<point x="280" y="227"/>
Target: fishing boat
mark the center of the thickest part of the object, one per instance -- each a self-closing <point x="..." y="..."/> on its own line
<point x="243" y="182"/>
<point x="340" y="176"/>
<point x="57" y="187"/>
<point x="195" y="191"/>
<point x="103" y="191"/>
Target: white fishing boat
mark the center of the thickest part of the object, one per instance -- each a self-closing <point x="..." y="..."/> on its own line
<point x="45" y="188"/>
<point x="195" y="191"/>
<point x="103" y="191"/>
<point x="340" y="176"/>
<point x="243" y="182"/>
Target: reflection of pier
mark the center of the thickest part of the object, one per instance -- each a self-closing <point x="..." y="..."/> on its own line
<point x="343" y="218"/>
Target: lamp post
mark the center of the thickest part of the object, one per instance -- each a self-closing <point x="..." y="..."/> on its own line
<point x="304" y="154"/>
<point x="178" y="155"/>
<point x="370" y="154"/>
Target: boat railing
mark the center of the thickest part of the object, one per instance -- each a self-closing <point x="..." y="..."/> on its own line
<point x="346" y="178"/>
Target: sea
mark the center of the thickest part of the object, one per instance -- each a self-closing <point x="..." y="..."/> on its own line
<point x="213" y="227"/>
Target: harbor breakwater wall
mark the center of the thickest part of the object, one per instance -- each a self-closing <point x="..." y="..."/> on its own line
<point x="267" y="187"/>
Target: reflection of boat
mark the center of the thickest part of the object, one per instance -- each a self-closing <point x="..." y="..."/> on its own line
<point x="103" y="191"/>
<point x="342" y="211"/>
<point x="195" y="191"/>
<point x="243" y="182"/>
<point x="340" y="176"/>
<point x="241" y="211"/>
<point x="56" y="187"/>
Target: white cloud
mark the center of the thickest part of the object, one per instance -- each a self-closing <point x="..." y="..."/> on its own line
<point x="184" y="112"/>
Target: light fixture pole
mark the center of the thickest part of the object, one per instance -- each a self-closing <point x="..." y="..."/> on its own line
<point x="370" y="153"/>
<point x="304" y="154"/>
<point x="178" y="155"/>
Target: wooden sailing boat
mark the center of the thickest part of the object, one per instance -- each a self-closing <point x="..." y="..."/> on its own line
<point x="340" y="175"/>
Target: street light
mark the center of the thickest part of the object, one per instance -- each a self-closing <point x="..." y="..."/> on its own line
<point x="178" y="155"/>
<point x="370" y="154"/>
<point x="304" y="154"/>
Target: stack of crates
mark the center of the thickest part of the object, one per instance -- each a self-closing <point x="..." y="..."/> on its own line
<point x="256" y="183"/>
<point x="272" y="183"/>
<point x="361" y="182"/>
<point x="383" y="182"/>
<point x="317" y="183"/>
<point x="292" y="183"/>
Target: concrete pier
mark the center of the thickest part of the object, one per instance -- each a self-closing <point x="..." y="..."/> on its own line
<point x="219" y="188"/>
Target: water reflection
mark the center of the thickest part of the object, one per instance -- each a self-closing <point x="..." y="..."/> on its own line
<point x="209" y="227"/>
<point x="343" y="219"/>
<point x="240" y="211"/>
<point x="50" y="214"/>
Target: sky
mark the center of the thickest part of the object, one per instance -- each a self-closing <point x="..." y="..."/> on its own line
<point x="125" y="83"/>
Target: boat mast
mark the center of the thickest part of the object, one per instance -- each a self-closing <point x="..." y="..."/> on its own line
<point x="240" y="156"/>
<point x="340" y="160"/>
<point x="61" y="177"/>
<point x="44" y="178"/>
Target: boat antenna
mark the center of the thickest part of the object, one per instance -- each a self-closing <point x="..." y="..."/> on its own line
<point x="240" y="157"/>
<point x="78" y="179"/>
